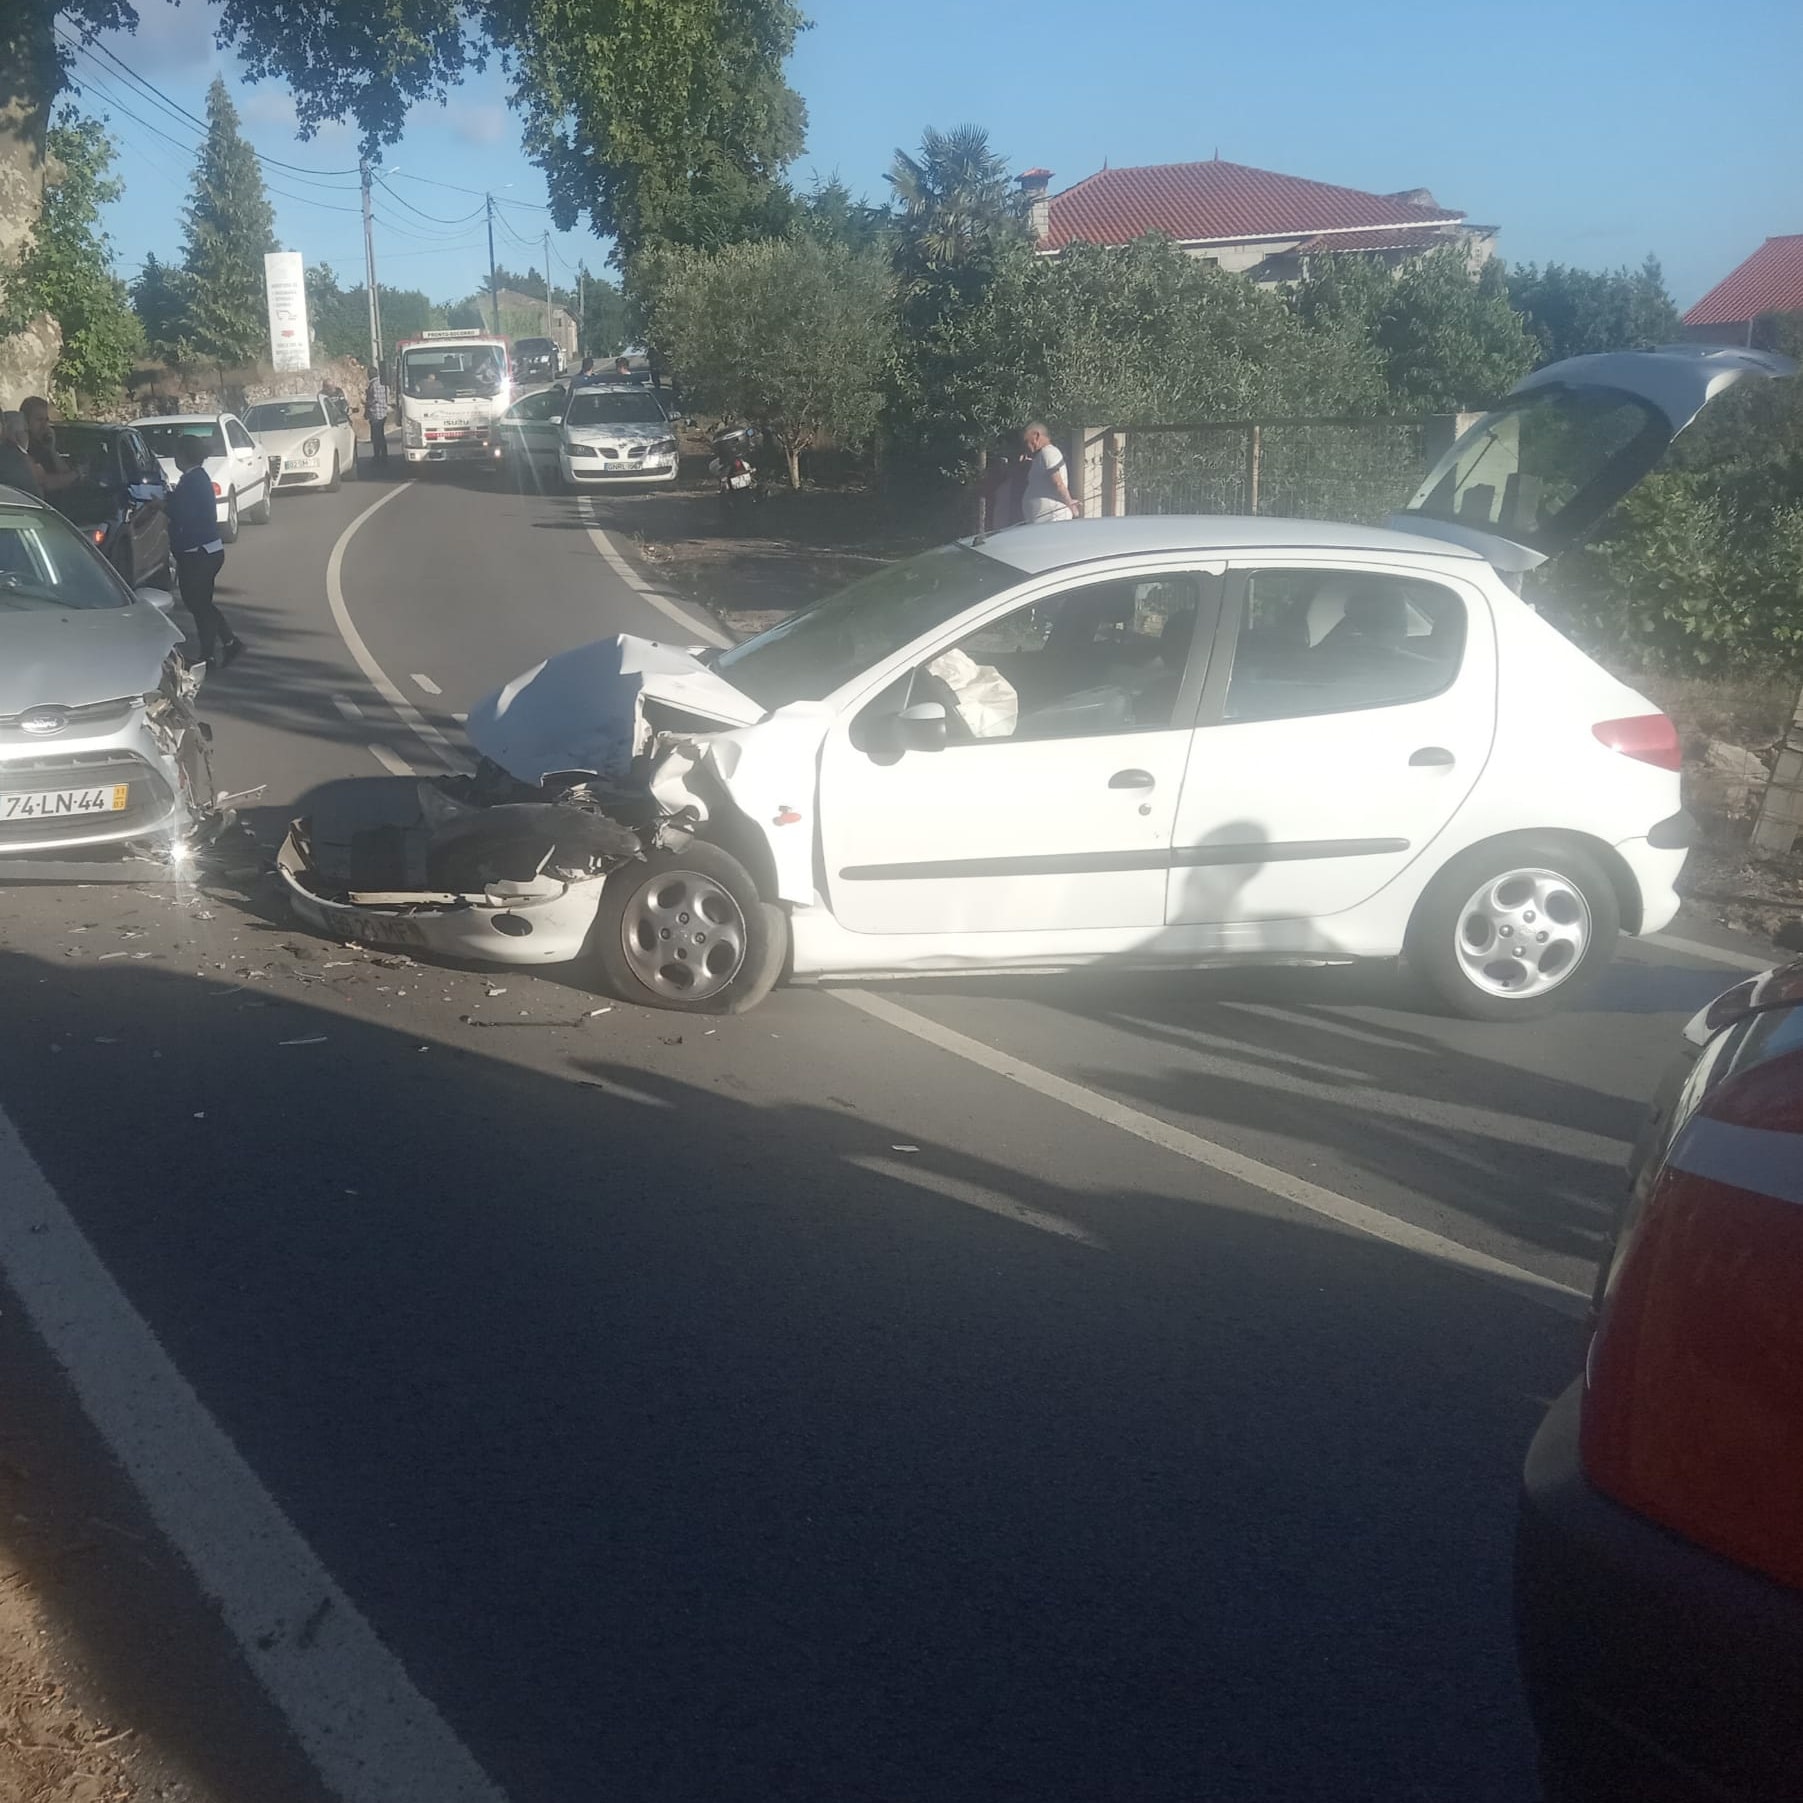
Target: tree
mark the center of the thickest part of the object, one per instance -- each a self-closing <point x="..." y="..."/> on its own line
<point x="1576" y="312"/>
<point x="787" y="333"/>
<point x="229" y="228"/>
<point x="957" y="232"/>
<point x="159" y="296"/>
<point x="1445" y="338"/>
<point x="66" y="270"/>
<point x="604" y="317"/>
<point x="830" y="214"/>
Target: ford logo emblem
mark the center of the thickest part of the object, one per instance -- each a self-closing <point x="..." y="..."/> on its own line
<point x="44" y="719"/>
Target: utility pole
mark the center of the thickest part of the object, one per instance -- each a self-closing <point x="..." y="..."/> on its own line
<point x="494" y="281"/>
<point x="582" y="311"/>
<point x="369" y="273"/>
<point x="548" y="286"/>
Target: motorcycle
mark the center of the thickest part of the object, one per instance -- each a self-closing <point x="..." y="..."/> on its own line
<point x="734" y="463"/>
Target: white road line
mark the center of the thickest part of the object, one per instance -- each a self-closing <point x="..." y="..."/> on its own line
<point x="1339" y="1209"/>
<point x="394" y="764"/>
<point x="426" y="683"/>
<point x="415" y="722"/>
<point x="351" y="1706"/>
<point x="347" y="707"/>
<point x="691" y="623"/>
<point x="1713" y="954"/>
<point x="461" y="719"/>
<point x="957" y="1189"/>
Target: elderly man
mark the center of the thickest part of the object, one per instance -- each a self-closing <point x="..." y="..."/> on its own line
<point x="16" y="468"/>
<point x="1048" y="495"/>
<point x="53" y="469"/>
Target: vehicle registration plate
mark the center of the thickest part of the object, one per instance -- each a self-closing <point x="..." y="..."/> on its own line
<point x="52" y="804"/>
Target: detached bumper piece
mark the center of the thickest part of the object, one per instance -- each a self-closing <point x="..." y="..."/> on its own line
<point x="424" y="866"/>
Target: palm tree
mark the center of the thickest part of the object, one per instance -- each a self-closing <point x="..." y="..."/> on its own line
<point x="953" y="198"/>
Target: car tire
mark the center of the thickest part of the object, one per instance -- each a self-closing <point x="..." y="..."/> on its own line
<point x="355" y="473"/>
<point x="1515" y="929"/>
<point x="228" y="533"/>
<point x="332" y="485"/>
<point x="688" y="931"/>
<point x="264" y="511"/>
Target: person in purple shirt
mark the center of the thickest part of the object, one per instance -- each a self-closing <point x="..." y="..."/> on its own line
<point x="199" y="551"/>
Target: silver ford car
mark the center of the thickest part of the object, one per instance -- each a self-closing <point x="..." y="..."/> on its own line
<point x="99" y="742"/>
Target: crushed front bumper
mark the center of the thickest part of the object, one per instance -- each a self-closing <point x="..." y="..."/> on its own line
<point x="546" y="921"/>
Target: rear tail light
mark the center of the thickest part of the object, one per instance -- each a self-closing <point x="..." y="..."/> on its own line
<point x="1693" y="1405"/>
<point x="98" y="535"/>
<point x="217" y="491"/>
<point x="1649" y="737"/>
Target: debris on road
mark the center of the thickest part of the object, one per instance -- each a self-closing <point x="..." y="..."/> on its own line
<point x="311" y="1039"/>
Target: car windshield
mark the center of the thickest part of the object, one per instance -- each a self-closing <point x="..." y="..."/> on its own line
<point x="164" y="435"/>
<point x="614" y="407"/>
<point x="452" y="372"/>
<point x="1549" y="452"/>
<point x="812" y="653"/>
<point x="285" y="416"/>
<point x="535" y="347"/>
<point x="43" y="563"/>
<point x="88" y="450"/>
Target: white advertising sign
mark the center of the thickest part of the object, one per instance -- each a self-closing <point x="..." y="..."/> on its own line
<point x="290" y="345"/>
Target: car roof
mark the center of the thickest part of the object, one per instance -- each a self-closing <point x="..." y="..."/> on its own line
<point x="1055" y="543"/>
<point x="17" y="497"/>
<point x="179" y="419"/>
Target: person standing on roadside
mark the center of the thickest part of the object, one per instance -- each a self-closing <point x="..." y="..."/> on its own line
<point x="1048" y="495"/>
<point x="16" y="468"/>
<point x="375" y="410"/>
<point x="199" y="551"/>
<point x="54" y="472"/>
<point x="585" y="376"/>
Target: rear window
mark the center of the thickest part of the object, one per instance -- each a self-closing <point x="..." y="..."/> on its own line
<point x="164" y="435"/>
<point x="45" y="563"/>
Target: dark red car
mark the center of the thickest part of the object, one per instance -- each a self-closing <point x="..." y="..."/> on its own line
<point x="1659" y="1577"/>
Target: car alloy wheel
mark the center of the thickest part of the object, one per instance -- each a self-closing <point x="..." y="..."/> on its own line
<point x="684" y="935"/>
<point x="1523" y="933"/>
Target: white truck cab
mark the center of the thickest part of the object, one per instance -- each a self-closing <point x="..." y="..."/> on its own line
<point x="450" y="390"/>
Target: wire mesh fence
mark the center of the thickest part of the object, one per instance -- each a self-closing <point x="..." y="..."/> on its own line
<point x="1337" y="469"/>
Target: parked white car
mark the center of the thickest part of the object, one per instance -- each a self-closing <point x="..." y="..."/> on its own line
<point x="237" y="465"/>
<point x="309" y="441"/>
<point x="616" y="434"/>
<point x="1150" y="741"/>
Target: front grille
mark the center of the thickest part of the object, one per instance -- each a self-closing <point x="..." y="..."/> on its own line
<point x="148" y="802"/>
<point x="92" y="713"/>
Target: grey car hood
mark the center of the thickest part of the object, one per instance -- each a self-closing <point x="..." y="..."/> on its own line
<point x="581" y="709"/>
<point x="71" y="657"/>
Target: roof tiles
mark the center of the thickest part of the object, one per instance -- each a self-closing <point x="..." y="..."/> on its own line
<point x="1769" y="281"/>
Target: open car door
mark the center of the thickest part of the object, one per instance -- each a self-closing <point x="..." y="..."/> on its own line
<point x="1535" y="477"/>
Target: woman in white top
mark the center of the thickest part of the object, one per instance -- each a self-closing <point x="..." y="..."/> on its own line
<point x="1048" y="496"/>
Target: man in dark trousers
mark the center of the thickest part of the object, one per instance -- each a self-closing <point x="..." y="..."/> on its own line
<point x="199" y="552"/>
<point x="375" y="410"/>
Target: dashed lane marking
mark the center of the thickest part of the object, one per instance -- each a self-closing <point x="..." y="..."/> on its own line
<point x="426" y="683"/>
<point x="390" y="761"/>
<point x="1298" y="1191"/>
<point x="347" y="1699"/>
<point x="384" y="685"/>
<point x="347" y="707"/>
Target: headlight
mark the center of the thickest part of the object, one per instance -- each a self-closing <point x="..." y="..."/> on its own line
<point x="664" y="445"/>
<point x="310" y="448"/>
<point x="580" y="450"/>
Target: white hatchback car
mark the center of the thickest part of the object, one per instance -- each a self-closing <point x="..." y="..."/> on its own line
<point x="1152" y="741"/>
<point x="237" y="465"/>
<point x="309" y="440"/>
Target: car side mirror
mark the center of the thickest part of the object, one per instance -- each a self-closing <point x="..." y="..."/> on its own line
<point x="921" y="727"/>
<point x="159" y="598"/>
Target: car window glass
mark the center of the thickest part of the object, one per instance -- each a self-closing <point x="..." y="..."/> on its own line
<point x="285" y="416"/>
<point x="1334" y="641"/>
<point x="241" y="440"/>
<point x="45" y="564"/>
<point x="1104" y="658"/>
<point x="536" y="408"/>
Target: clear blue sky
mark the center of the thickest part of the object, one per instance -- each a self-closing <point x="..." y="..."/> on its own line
<point x="1590" y="131"/>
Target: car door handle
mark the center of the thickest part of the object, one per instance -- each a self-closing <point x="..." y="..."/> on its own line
<point x="1432" y="756"/>
<point x="1131" y="779"/>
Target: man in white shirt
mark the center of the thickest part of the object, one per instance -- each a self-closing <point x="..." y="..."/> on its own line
<point x="1048" y="496"/>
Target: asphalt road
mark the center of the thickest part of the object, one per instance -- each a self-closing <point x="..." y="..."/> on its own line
<point x="803" y="1405"/>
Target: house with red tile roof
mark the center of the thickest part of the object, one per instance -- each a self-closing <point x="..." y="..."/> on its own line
<point x="1769" y="281"/>
<point x="1255" y="221"/>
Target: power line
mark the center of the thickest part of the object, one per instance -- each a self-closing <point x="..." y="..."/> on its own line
<point x="402" y="200"/>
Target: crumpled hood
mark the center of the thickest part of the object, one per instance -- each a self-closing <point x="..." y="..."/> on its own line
<point x="71" y="657"/>
<point x="580" y="710"/>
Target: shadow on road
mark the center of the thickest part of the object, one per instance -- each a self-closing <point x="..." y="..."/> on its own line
<point x="686" y="1444"/>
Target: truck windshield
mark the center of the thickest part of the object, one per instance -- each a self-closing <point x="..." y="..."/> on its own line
<point x="446" y="372"/>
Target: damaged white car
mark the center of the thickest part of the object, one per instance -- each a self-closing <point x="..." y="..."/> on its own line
<point x="1155" y="741"/>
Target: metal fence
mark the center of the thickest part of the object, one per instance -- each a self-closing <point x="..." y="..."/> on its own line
<point x="1336" y="469"/>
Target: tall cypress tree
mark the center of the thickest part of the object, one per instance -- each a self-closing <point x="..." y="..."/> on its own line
<point x="229" y="227"/>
